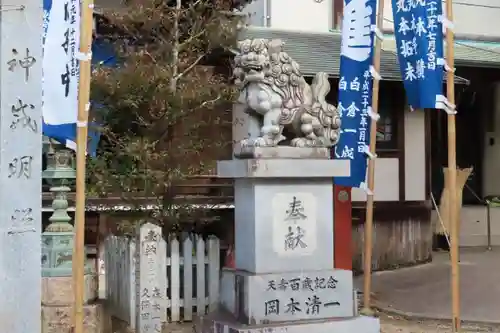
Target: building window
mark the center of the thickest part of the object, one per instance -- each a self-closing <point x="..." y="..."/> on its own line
<point x="384" y="129"/>
<point x="391" y="110"/>
<point x="338" y="9"/>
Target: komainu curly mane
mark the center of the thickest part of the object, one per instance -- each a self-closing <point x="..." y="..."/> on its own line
<point x="263" y="68"/>
<point x="280" y="71"/>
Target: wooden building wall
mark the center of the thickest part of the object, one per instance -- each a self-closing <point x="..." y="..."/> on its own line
<point x="402" y="235"/>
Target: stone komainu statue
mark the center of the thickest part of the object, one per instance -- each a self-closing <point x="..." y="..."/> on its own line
<point x="276" y="94"/>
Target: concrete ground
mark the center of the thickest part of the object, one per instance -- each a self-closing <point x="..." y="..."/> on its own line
<point x="389" y="324"/>
<point x="424" y="291"/>
<point x="396" y="324"/>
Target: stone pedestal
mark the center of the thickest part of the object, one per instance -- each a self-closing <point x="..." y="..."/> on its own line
<point x="57" y="305"/>
<point x="58" y="291"/>
<point x="59" y="319"/>
<point x="256" y="299"/>
<point x="284" y="277"/>
<point x="222" y="322"/>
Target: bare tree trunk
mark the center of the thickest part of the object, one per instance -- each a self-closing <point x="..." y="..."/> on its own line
<point x="175" y="51"/>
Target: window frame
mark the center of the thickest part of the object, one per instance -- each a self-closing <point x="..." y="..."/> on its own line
<point x="392" y="103"/>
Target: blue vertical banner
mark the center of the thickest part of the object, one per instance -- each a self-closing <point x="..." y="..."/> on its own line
<point x="419" y="38"/>
<point x="355" y="88"/>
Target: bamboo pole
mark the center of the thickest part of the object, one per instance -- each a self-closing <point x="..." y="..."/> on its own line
<point x="81" y="145"/>
<point x="452" y="174"/>
<point x="371" y="171"/>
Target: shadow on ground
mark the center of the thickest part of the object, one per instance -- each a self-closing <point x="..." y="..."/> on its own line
<point x="424" y="291"/>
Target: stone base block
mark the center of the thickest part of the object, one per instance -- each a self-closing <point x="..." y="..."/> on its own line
<point x="59" y="319"/>
<point x="283" y="225"/>
<point x="283" y="152"/>
<point x="283" y="168"/>
<point x="302" y="295"/>
<point x="219" y="323"/>
<point x="57" y="253"/>
<point x="58" y="291"/>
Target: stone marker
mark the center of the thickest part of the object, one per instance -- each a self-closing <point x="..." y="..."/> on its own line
<point x="289" y="296"/>
<point x="151" y="277"/>
<point x="284" y="280"/>
<point x="20" y="165"/>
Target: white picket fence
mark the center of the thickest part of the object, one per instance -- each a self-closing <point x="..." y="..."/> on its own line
<point x="192" y="277"/>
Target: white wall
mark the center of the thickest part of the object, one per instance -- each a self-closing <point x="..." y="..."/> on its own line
<point x="294" y="15"/>
<point x="415" y="174"/>
<point x="303" y="15"/>
<point x="387" y="170"/>
<point x="468" y="19"/>
<point x="474" y="227"/>
<point x="491" y="158"/>
<point x="386" y="181"/>
<point x="108" y="4"/>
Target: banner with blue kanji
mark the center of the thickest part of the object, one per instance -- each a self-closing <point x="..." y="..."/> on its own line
<point x="355" y="88"/>
<point x="419" y="38"/>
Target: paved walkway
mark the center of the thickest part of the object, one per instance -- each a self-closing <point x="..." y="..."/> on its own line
<point x="395" y="324"/>
<point x="424" y="291"/>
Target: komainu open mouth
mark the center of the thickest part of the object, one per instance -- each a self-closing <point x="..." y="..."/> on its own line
<point x="253" y="68"/>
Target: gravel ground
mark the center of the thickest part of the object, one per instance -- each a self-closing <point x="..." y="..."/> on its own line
<point x="393" y="324"/>
<point x="390" y="324"/>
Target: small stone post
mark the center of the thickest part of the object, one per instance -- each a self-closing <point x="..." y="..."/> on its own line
<point x="151" y="279"/>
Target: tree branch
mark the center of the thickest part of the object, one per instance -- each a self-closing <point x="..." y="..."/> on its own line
<point x="175" y="50"/>
<point x="190" y="39"/>
<point x="194" y="4"/>
<point x="189" y="68"/>
<point x="167" y="131"/>
<point x="150" y="56"/>
<point x="210" y="101"/>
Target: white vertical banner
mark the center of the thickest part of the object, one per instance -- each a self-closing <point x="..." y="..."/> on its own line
<point x="60" y="66"/>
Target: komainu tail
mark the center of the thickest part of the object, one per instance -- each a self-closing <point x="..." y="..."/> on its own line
<point x="326" y="113"/>
<point x="320" y="88"/>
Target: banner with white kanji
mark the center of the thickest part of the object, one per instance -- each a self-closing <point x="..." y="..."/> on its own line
<point x="61" y="35"/>
<point x="418" y="31"/>
<point x="355" y="88"/>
